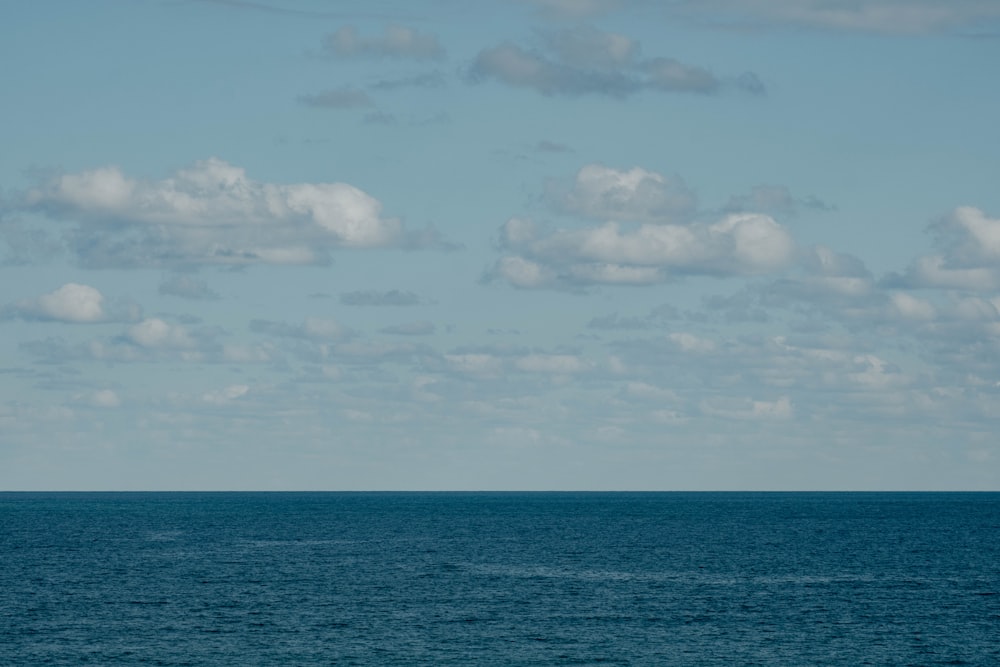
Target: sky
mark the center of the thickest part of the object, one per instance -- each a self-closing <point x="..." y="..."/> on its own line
<point x="522" y="244"/>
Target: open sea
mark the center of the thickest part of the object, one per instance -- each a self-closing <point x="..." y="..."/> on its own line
<point x="499" y="578"/>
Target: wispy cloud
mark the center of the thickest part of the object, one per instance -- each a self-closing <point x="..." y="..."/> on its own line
<point x="397" y="41"/>
<point x="584" y="60"/>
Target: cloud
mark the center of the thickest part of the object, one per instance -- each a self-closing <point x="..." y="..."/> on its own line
<point x="373" y="298"/>
<point x="635" y="195"/>
<point x="154" y="333"/>
<point x="738" y="244"/>
<point x="397" y="42"/>
<point x="544" y="146"/>
<point x="670" y="75"/>
<point x="885" y="16"/>
<point x="585" y="47"/>
<point x="774" y="200"/>
<point x="75" y="303"/>
<point x="583" y="60"/>
<point x="187" y="287"/>
<point x="338" y="98"/>
<point x="515" y="66"/>
<point x="969" y="241"/>
<point x="212" y="213"/>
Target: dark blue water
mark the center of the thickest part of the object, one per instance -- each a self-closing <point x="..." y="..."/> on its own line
<point x="480" y="579"/>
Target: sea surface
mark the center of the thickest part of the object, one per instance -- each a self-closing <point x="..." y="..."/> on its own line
<point x="499" y="579"/>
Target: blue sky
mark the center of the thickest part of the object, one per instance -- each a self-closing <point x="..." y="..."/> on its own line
<point x="535" y="244"/>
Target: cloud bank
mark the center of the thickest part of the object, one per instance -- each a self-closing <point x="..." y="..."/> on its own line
<point x="211" y="213"/>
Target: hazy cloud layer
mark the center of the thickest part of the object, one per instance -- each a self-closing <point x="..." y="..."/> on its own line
<point x="887" y="16"/>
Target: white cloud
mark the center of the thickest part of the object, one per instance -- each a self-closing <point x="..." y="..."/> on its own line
<point x="398" y="41"/>
<point x="972" y="238"/>
<point x="935" y="272"/>
<point x="210" y="213"/>
<point x="156" y="333"/>
<point x="72" y="302"/>
<point x="635" y="195"/>
<point x="739" y="244"/>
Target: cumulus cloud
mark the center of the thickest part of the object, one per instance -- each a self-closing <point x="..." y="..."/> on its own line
<point x="583" y="60"/>
<point x="739" y="244"/>
<point x="397" y="41"/>
<point x="969" y="241"/>
<point x="829" y="276"/>
<point x="75" y="303"/>
<point x="212" y="213"/>
<point x="633" y="195"/>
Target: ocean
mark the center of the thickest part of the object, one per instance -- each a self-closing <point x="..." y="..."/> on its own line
<point x="500" y="578"/>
